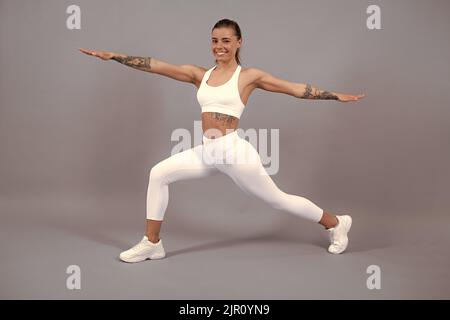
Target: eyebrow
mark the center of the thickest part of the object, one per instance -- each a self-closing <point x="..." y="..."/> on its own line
<point x="214" y="38"/>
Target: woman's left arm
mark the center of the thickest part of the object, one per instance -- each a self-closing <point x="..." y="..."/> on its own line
<point x="266" y="81"/>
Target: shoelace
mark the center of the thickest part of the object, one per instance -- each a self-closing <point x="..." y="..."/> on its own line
<point x="332" y="240"/>
<point x="139" y="245"/>
<point x="331" y="236"/>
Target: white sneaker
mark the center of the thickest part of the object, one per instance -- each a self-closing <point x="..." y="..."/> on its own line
<point x="338" y="235"/>
<point x="144" y="250"/>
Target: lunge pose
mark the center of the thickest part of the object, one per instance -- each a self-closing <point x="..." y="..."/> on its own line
<point x="223" y="92"/>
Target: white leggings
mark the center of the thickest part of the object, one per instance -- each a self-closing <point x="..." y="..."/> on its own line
<point x="235" y="157"/>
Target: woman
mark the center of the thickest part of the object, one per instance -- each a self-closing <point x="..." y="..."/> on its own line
<point x="223" y="92"/>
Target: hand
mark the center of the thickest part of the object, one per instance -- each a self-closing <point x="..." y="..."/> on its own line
<point x="348" y="97"/>
<point x="105" y="55"/>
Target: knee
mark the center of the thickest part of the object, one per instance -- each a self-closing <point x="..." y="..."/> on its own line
<point x="158" y="174"/>
<point x="279" y="205"/>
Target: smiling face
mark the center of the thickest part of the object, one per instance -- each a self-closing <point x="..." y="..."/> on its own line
<point x="224" y="44"/>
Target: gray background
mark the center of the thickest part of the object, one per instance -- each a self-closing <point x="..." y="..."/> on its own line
<point x="78" y="137"/>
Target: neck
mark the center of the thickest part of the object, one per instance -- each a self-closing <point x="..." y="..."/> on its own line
<point x="226" y="65"/>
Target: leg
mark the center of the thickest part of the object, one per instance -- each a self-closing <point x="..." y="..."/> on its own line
<point x="188" y="164"/>
<point x="249" y="174"/>
<point x="152" y="230"/>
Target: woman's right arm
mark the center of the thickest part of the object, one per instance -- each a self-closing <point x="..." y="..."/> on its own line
<point x="186" y="73"/>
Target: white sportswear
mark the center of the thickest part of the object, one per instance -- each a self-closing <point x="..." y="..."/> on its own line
<point x="229" y="154"/>
<point x="224" y="98"/>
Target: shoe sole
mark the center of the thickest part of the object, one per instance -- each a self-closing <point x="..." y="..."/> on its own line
<point x="158" y="257"/>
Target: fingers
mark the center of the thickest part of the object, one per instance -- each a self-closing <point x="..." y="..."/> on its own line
<point x="85" y="51"/>
<point x="89" y="52"/>
<point x="348" y="98"/>
<point x="356" y="98"/>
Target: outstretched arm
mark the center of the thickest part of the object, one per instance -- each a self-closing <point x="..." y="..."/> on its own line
<point x="185" y="73"/>
<point x="140" y="63"/>
<point x="307" y="91"/>
<point x="268" y="82"/>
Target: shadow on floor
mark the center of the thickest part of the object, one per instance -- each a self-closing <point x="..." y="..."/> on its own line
<point x="235" y="242"/>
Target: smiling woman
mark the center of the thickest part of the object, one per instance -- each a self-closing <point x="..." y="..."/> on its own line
<point x="224" y="42"/>
<point x="223" y="92"/>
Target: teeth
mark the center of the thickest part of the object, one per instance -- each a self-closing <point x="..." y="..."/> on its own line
<point x="220" y="53"/>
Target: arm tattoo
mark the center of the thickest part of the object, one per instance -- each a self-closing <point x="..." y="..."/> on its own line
<point x="318" y="94"/>
<point x="307" y="94"/>
<point x="135" y="62"/>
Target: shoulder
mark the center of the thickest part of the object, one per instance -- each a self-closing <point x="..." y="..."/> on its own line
<point x="255" y="75"/>
<point x="253" y="72"/>
<point x="266" y="81"/>
<point x="198" y="71"/>
<point x="198" y="68"/>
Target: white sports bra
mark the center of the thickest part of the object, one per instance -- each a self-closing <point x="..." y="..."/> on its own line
<point x="223" y="99"/>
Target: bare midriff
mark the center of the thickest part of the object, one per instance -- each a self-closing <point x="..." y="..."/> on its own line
<point x="215" y="124"/>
